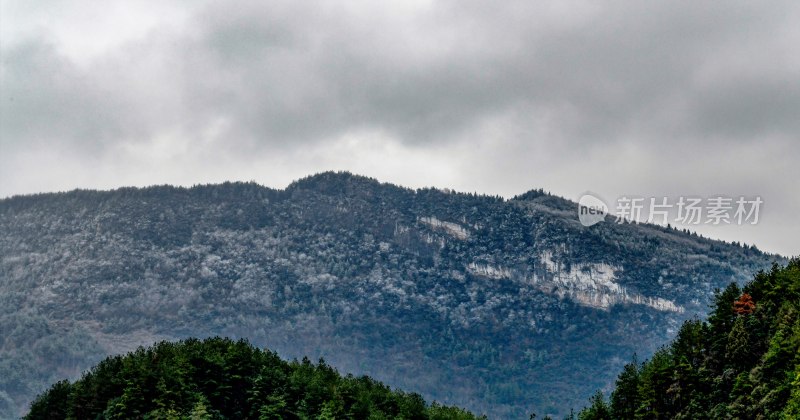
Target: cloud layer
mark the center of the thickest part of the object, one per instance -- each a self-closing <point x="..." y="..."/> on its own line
<point x="670" y="98"/>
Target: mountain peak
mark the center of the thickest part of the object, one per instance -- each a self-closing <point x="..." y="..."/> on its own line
<point x="331" y="181"/>
<point x="531" y="194"/>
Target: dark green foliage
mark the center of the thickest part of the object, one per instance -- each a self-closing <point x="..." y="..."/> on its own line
<point x="598" y="410"/>
<point x="625" y="398"/>
<point x="738" y="364"/>
<point x="220" y="378"/>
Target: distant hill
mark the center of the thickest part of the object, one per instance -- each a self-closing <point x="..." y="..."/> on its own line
<point x="743" y="363"/>
<point x="221" y="379"/>
<point x="500" y="306"/>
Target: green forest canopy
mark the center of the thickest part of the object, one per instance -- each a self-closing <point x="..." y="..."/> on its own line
<point x="743" y="362"/>
<point x="220" y="378"/>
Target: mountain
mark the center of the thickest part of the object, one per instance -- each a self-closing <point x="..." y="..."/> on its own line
<point x="500" y="306"/>
<point x="221" y="379"/>
<point x="743" y="363"/>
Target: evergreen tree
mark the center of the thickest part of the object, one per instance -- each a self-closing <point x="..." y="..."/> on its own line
<point x="738" y="350"/>
<point x="625" y="398"/>
<point x="598" y="410"/>
<point x="220" y="378"/>
<point x="744" y="362"/>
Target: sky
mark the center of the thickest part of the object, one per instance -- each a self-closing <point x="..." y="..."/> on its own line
<point x="619" y="98"/>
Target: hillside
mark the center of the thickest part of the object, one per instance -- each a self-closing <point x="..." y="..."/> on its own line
<point x="218" y="379"/>
<point x="500" y="306"/>
<point x="743" y="362"/>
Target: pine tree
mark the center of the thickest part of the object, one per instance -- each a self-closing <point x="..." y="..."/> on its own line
<point x="720" y="323"/>
<point x="625" y="398"/>
<point x="598" y="410"/>
<point x="737" y="351"/>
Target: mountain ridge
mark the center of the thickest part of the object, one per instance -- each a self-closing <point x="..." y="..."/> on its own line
<point x="412" y="287"/>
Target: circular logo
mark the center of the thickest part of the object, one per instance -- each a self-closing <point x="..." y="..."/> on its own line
<point x="591" y="209"/>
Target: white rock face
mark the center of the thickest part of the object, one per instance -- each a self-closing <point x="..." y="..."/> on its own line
<point x="594" y="285"/>
<point x="453" y="229"/>
<point x="492" y="272"/>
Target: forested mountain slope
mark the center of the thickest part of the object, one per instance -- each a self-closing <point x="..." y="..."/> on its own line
<point x="499" y="306"/>
<point x="221" y="379"/>
<point x="742" y="363"/>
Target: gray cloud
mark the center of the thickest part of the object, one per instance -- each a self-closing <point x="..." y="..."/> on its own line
<point x="499" y="97"/>
<point x="47" y="101"/>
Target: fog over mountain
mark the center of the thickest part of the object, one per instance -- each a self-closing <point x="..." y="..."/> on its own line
<point x="500" y="306"/>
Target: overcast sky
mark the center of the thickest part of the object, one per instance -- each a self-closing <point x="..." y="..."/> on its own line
<point x="619" y="98"/>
